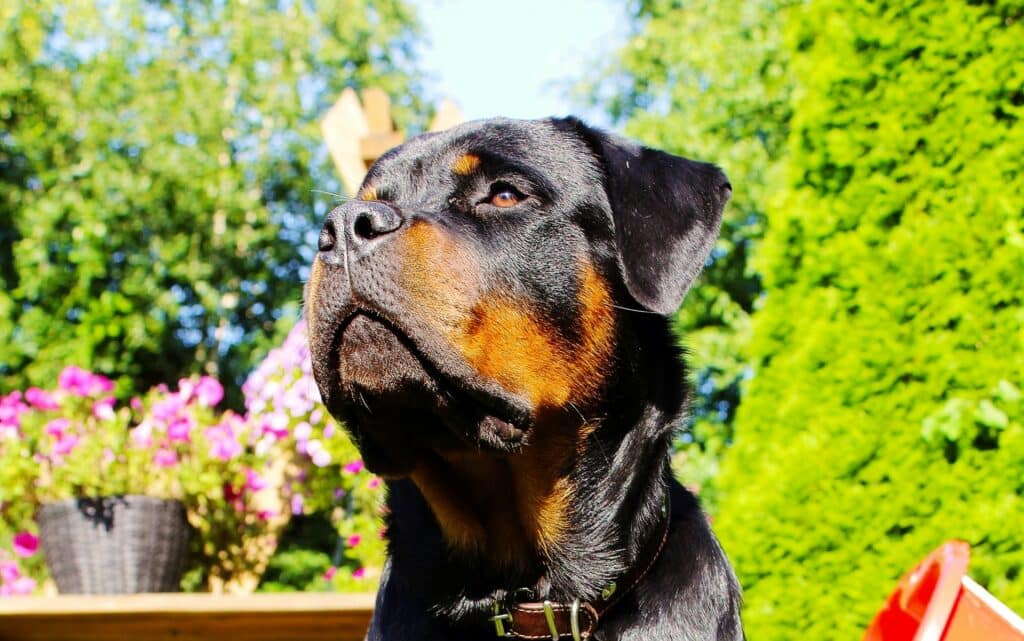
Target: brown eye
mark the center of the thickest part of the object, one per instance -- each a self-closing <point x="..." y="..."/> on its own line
<point x="505" y="198"/>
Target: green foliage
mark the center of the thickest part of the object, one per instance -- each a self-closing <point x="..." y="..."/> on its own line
<point x="707" y="79"/>
<point x="157" y="171"/>
<point x="885" y="412"/>
<point x="303" y="555"/>
<point x="298" y="569"/>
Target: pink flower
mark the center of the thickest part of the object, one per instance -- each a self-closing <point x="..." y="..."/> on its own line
<point x="9" y="572"/>
<point x="25" y="544"/>
<point x="57" y="427"/>
<point x="359" y="573"/>
<point x="302" y="431"/>
<point x="11" y="409"/>
<point x="186" y="389"/>
<point x="373" y="483"/>
<point x="65" y="444"/>
<point x="142" y="434"/>
<point x="79" y="382"/>
<point x="23" y="586"/>
<point x="168" y="409"/>
<point x="75" y="380"/>
<point x="254" y="482"/>
<point x="298" y="504"/>
<point x="276" y="425"/>
<point x="165" y="458"/>
<point x="223" y="438"/>
<point x="355" y="467"/>
<point x="209" y="391"/>
<point x="225" y="449"/>
<point x="135" y="403"/>
<point x="353" y="540"/>
<point x="329" y="429"/>
<point x="103" y="409"/>
<point x="266" y="515"/>
<point x="179" y="429"/>
<point x="41" y="399"/>
<point x="320" y="456"/>
<point x="329" y="574"/>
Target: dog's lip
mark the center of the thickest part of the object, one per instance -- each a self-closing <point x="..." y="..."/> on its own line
<point x="473" y="393"/>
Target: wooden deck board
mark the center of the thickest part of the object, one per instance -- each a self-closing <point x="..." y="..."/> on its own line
<point x="187" y="617"/>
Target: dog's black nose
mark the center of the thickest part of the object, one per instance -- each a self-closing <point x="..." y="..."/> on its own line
<point x="357" y="227"/>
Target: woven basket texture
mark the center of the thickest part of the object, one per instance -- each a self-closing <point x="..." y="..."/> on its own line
<point x="115" y="545"/>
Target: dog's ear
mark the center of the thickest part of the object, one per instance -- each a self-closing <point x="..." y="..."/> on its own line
<point x="666" y="210"/>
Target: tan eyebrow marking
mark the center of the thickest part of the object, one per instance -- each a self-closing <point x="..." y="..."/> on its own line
<point x="368" y="193"/>
<point x="466" y="164"/>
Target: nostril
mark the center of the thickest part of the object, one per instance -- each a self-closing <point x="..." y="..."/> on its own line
<point x="327" y="239"/>
<point x="364" y="227"/>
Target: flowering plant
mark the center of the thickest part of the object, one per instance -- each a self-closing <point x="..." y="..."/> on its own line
<point x="327" y="475"/>
<point x="240" y="476"/>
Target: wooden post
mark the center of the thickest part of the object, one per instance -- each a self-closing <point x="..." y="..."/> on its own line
<point x="358" y="133"/>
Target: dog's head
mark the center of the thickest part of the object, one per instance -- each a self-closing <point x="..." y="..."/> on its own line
<point x="476" y="286"/>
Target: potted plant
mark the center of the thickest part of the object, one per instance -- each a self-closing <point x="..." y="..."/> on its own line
<point x="74" y="450"/>
<point x="118" y="489"/>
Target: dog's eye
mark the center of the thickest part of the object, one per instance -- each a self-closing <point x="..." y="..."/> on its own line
<point x="503" y="195"/>
<point x="504" y="199"/>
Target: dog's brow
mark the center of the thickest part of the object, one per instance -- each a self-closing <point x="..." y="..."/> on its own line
<point x="466" y="164"/>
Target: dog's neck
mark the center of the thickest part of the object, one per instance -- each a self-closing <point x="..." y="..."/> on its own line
<point x="564" y="517"/>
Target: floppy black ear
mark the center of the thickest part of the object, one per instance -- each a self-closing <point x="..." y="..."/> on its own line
<point x="667" y="211"/>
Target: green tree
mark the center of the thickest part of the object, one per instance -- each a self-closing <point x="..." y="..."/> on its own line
<point x="709" y="79"/>
<point x="158" y="163"/>
<point x="885" y="413"/>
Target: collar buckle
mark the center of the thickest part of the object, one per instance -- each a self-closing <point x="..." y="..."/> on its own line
<point x="499" y="619"/>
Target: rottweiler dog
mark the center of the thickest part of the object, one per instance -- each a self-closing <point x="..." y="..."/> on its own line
<point x="489" y="317"/>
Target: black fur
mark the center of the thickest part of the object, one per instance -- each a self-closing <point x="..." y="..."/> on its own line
<point x="645" y="220"/>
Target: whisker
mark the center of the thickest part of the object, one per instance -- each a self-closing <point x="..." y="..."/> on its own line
<point x="365" y="404"/>
<point x="341" y="197"/>
<point x="638" y="311"/>
<point x="582" y="417"/>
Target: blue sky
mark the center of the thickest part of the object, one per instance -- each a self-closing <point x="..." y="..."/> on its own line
<point x="516" y="59"/>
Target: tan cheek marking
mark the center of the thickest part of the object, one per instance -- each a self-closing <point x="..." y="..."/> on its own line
<point x="506" y="342"/>
<point x="466" y="164"/>
<point x="439" y="275"/>
<point x="598" y="324"/>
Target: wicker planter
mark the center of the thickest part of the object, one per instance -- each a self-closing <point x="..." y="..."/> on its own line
<point x="114" y="545"/>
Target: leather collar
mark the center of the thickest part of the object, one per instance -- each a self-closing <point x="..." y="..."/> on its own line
<point x="579" y="619"/>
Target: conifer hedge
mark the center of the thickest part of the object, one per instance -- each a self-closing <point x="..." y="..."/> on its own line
<point x="885" y="414"/>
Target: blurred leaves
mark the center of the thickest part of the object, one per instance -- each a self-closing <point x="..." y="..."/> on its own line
<point x="883" y="416"/>
<point x="157" y="168"/>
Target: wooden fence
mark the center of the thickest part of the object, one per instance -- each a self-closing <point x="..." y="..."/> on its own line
<point x="187" y="617"/>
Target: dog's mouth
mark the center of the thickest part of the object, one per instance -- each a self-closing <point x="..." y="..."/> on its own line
<point x="399" y="401"/>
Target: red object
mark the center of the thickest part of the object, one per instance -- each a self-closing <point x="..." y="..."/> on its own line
<point x="937" y="601"/>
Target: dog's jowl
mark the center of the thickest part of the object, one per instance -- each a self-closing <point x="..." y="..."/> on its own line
<point x="490" y="319"/>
